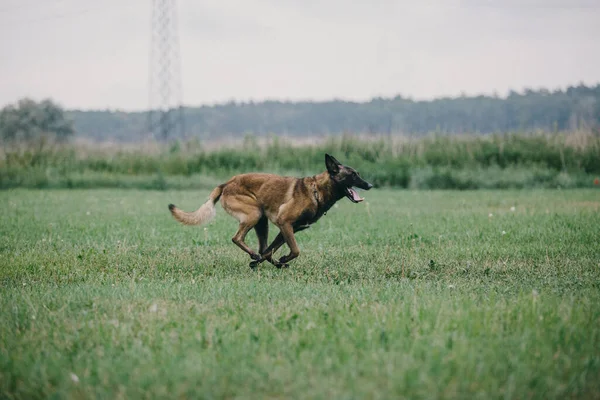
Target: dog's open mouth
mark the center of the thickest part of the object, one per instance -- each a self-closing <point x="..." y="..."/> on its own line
<point x="353" y="196"/>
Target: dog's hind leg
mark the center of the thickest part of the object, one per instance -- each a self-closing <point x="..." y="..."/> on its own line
<point x="239" y="237"/>
<point x="248" y="214"/>
<point x="262" y="233"/>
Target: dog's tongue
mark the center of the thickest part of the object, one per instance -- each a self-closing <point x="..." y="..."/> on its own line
<point x="355" y="195"/>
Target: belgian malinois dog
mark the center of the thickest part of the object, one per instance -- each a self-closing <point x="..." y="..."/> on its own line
<point x="292" y="204"/>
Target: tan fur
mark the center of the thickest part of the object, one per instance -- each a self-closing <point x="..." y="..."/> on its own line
<point x="292" y="204"/>
<point x="205" y="213"/>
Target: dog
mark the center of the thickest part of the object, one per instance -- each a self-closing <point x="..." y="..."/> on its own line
<point x="292" y="204"/>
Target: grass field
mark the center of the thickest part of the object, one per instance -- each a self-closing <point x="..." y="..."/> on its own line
<point x="412" y="294"/>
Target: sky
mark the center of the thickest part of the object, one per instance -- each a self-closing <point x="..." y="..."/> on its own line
<point x="90" y="54"/>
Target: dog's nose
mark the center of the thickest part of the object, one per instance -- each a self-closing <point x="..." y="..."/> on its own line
<point x="369" y="186"/>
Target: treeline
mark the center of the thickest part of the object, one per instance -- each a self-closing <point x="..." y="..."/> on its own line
<point x="551" y="111"/>
<point x="433" y="162"/>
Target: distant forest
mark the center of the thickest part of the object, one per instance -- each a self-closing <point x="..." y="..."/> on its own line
<point x="559" y="110"/>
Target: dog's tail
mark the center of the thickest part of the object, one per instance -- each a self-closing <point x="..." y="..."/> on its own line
<point x="205" y="213"/>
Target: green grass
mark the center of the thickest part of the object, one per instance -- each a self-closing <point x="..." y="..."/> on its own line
<point x="415" y="294"/>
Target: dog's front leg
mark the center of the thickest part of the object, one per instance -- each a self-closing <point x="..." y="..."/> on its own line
<point x="267" y="254"/>
<point x="279" y="240"/>
<point x="287" y="231"/>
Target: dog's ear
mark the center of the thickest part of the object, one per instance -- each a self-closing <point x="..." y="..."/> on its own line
<point x="333" y="165"/>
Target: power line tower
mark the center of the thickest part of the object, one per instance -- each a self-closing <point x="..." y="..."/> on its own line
<point x="165" y="115"/>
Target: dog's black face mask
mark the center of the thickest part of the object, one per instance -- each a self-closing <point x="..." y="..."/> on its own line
<point x="346" y="178"/>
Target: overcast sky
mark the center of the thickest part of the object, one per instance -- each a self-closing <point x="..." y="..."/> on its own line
<point x="93" y="54"/>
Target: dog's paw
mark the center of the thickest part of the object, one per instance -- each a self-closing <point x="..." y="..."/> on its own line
<point x="253" y="264"/>
<point x="256" y="257"/>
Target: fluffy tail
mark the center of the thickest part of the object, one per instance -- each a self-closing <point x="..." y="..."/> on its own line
<point x="204" y="214"/>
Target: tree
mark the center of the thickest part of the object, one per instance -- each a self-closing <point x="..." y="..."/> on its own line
<point x="29" y="120"/>
<point x="576" y="107"/>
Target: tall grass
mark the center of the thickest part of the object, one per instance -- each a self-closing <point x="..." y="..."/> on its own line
<point x="447" y="162"/>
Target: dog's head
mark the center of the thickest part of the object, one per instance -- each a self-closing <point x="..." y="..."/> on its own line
<point x="346" y="178"/>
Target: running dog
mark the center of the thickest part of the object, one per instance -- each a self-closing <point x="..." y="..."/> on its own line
<point x="292" y="204"/>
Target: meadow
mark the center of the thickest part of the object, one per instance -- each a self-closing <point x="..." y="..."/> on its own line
<point x="411" y="294"/>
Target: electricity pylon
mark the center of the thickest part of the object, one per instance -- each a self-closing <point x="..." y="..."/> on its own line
<point x="165" y="115"/>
